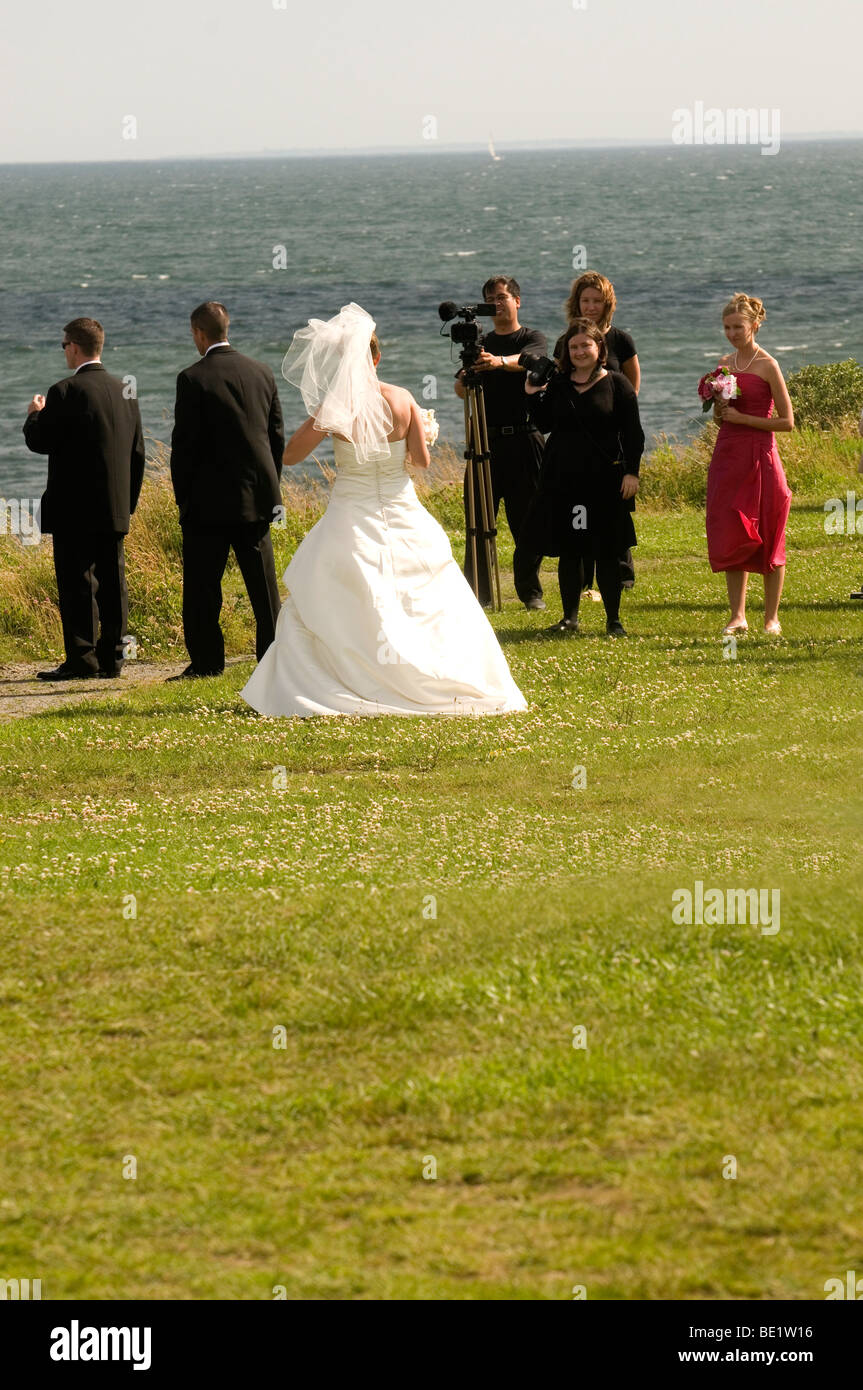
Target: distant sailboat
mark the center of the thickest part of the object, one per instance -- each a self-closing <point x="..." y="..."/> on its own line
<point x="495" y="156"/>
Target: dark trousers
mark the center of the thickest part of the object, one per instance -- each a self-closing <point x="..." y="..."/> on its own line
<point x="205" y="555"/>
<point x="627" y="571"/>
<point x="94" y="604"/>
<point x="571" y="568"/>
<point x="515" y="461"/>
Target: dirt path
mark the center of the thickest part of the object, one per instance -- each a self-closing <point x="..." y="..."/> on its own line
<point x="21" y="693"/>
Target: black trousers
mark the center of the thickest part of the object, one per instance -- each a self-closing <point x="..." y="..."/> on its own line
<point x="627" y="570"/>
<point x="205" y="555"/>
<point x="94" y="604"/>
<point x="515" y="461"/>
<point x="571" y="569"/>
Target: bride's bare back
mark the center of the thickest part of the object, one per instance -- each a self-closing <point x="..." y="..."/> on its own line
<point x="407" y="425"/>
<point x="399" y="402"/>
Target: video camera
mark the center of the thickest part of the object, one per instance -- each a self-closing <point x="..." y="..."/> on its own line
<point x="467" y="334"/>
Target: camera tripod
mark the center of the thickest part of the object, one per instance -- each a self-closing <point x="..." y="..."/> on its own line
<point x="479" y="487"/>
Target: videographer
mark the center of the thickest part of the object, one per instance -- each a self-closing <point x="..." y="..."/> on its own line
<point x="515" y="445"/>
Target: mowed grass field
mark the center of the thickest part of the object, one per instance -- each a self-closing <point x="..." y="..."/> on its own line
<point x="337" y="1034"/>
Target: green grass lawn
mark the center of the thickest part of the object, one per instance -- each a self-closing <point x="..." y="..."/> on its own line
<point x="417" y="1042"/>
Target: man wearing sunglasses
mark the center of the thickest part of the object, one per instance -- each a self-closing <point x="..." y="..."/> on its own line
<point x="91" y="431"/>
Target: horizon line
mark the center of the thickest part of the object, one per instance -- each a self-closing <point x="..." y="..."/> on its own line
<point x="434" y="147"/>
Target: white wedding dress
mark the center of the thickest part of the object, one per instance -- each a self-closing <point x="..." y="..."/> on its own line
<point x="379" y="619"/>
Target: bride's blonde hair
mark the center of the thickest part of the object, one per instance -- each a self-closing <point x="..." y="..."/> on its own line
<point x="748" y="307"/>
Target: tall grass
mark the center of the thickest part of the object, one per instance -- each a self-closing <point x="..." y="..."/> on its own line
<point x="818" y="465"/>
<point x="674" y="476"/>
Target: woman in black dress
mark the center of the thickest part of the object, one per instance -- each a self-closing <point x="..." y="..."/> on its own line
<point x="583" y="508"/>
<point x="592" y="297"/>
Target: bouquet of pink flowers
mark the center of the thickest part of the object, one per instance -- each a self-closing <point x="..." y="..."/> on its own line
<point x="718" y="385"/>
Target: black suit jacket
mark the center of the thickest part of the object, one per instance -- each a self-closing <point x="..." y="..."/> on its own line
<point x="95" y="445"/>
<point x="228" y="441"/>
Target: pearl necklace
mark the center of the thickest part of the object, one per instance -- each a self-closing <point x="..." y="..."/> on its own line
<point x="737" y="365"/>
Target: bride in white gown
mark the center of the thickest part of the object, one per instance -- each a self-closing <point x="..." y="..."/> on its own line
<point x="379" y="618"/>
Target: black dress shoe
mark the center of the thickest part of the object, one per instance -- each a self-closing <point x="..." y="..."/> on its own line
<point x="856" y="593"/>
<point x="190" y="674"/>
<point x="615" y="630"/>
<point x="109" y="675"/>
<point x="566" y="625"/>
<point x="66" y="673"/>
<point x="535" y="604"/>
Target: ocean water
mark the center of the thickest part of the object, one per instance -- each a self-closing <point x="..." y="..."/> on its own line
<point x="676" y="228"/>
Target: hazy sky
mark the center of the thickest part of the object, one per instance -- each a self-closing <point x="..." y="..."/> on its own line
<point x="230" y="76"/>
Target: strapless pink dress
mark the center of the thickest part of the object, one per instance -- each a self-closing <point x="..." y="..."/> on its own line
<point x="748" y="497"/>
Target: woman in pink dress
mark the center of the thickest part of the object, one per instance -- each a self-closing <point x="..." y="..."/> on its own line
<point x="748" y="498"/>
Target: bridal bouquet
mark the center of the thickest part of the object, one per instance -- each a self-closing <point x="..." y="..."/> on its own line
<point x="431" y="427"/>
<point x="718" y="385"/>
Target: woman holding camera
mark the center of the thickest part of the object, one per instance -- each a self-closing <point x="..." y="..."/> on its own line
<point x="589" y="476"/>
<point x="592" y="297"/>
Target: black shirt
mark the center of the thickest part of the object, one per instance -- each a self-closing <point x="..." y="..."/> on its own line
<point x="619" y="345"/>
<point x="505" y="397"/>
<point x="595" y="437"/>
<point x="590" y="430"/>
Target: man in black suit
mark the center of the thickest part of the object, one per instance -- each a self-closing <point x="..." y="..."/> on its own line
<point x="226" y="466"/>
<point x="90" y="427"/>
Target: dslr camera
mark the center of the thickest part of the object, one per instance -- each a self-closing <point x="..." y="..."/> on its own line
<point x="539" y="369"/>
